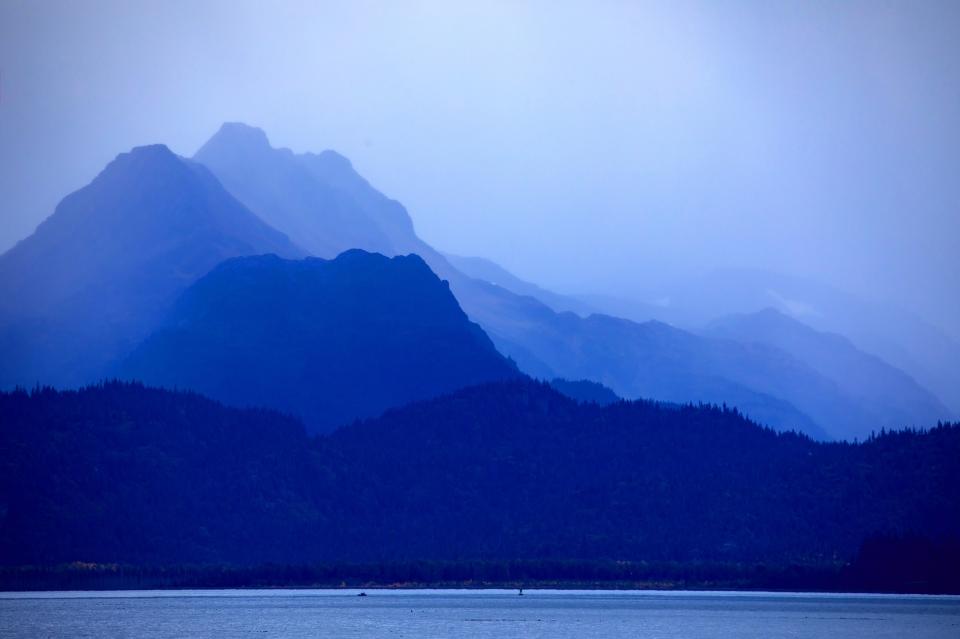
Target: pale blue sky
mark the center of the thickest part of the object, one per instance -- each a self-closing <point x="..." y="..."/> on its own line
<point x="591" y="146"/>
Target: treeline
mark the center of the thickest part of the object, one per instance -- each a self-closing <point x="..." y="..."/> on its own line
<point x="467" y="488"/>
<point x="888" y="564"/>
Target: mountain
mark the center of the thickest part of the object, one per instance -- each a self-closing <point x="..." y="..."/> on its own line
<point x="480" y="268"/>
<point x="97" y="274"/>
<point x="893" y="397"/>
<point x="771" y="384"/>
<point x="119" y="473"/>
<point x="328" y="340"/>
<point x="316" y="198"/>
<point x="898" y="336"/>
<point x="657" y="361"/>
<point x="319" y="199"/>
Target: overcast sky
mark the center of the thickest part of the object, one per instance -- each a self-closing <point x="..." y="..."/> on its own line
<point x="591" y="146"/>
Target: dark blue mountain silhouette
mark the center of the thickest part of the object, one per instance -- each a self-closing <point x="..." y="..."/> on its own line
<point x="329" y="340"/>
<point x="96" y="275"/>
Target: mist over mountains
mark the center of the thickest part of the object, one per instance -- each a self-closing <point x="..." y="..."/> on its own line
<point x="318" y="198"/>
<point x="897" y="335"/>
<point x="153" y="224"/>
<point x="893" y="397"/>
<point x="528" y="323"/>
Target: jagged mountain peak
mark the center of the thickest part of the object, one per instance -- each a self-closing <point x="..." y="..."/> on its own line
<point x="140" y="167"/>
<point x="238" y="136"/>
<point x="99" y="272"/>
<point x="316" y="198"/>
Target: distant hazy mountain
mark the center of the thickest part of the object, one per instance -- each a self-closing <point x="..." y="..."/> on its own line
<point x="96" y="275"/>
<point x="480" y="268"/>
<point x="896" y="335"/>
<point x="316" y="198"/>
<point x="654" y="360"/>
<point x="893" y="397"/>
<point x="330" y="341"/>
<point x="319" y="199"/>
<point x="886" y="396"/>
<point x="507" y="471"/>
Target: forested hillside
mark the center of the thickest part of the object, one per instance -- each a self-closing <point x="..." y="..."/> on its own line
<point x="505" y="471"/>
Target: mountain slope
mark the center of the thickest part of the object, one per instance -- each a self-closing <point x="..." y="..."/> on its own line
<point x="513" y="470"/>
<point x="97" y="274"/>
<point x="893" y="397"/>
<point x="530" y="473"/>
<point x="479" y="268"/>
<point x="899" y="337"/>
<point x="316" y="198"/>
<point x="330" y="341"/>
<point x="320" y="200"/>
<point x="656" y="361"/>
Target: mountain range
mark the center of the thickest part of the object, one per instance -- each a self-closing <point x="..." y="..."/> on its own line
<point x="551" y="335"/>
<point x="153" y="223"/>
<point x="324" y="386"/>
<point x="925" y="352"/>
<point x="893" y="397"/>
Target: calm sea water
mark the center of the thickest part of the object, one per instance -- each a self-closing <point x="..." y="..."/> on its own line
<point x="470" y="613"/>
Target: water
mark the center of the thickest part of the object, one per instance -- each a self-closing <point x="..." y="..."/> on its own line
<point x="425" y="614"/>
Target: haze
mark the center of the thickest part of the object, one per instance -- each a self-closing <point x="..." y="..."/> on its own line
<point x="602" y="147"/>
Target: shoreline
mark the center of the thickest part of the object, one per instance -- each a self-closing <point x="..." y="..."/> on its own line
<point x="507" y="576"/>
<point x="480" y="590"/>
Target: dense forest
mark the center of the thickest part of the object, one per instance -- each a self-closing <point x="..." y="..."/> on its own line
<point x="121" y="474"/>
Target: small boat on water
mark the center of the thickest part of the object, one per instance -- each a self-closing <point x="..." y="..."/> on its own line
<point x="362" y="594"/>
